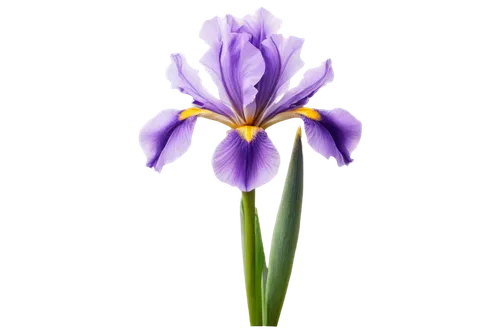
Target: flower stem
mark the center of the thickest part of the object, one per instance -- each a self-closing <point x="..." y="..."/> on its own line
<point x="252" y="282"/>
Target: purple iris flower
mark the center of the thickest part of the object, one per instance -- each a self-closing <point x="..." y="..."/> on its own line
<point x="252" y="66"/>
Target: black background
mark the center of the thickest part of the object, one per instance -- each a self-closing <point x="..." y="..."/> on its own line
<point x="175" y="242"/>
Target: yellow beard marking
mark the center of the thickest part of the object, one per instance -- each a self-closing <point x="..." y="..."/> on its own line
<point x="305" y="111"/>
<point x="189" y="112"/>
<point x="208" y="115"/>
<point x="248" y="132"/>
<point x="309" y="113"/>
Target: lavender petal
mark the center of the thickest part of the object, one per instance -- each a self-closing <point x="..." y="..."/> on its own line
<point x="337" y="134"/>
<point x="260" y="26"/>
<point x="164" y="138"/>
<point x="246" y="165"/>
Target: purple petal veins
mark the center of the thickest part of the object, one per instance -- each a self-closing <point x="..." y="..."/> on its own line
<point x="337" y="134"/>
<point x="313" y="79"/>
<point x="186" y="79"/>
<point x="282" y="58"/>
<point x="165" y="138"/>
<point x="246" y="165"/>
<point x="261" y="24"/>
<point x="235" y="66"/>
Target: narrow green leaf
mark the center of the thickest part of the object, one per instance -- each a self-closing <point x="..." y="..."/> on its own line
<point x="285" y="236"/>
<point x="252" y="257"/>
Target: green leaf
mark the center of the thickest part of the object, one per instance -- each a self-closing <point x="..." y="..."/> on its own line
<point x="285" y="236"/>
<point x="254" y="259"/>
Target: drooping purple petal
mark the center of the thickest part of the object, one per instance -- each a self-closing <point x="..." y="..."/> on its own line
<point x="282" y="58"/>
<point x="165" y="138"/>
<point x="312" y="81"/>
<point x="186" y="79"/>
<point x="260" y="25"/>
<point x="337" y="134"/>
<point x="244" y="164"/>
<point x="236" y="66"/>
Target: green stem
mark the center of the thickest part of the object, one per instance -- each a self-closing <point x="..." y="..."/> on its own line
<point x="252" y="282"/>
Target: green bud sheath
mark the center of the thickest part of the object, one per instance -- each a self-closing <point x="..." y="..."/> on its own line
<point x="252" y="257"/>
<point x="285" y="236"/>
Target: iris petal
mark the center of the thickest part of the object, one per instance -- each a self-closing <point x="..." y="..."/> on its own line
<point x="260" y="26"/>
<point x="246" y="158"/>
<point x="236" y="66"/>
<point x="282" y="58"/>
<point x="165" y="138"/>
<point x="213" y="30"/>
<point x="186" y="79"/>
<point x="336" y="134"/>
<point x="312" y="81"/>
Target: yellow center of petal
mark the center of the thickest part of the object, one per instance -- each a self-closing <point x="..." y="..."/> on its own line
<point x="309" y="113"/>
<point x="305" y="111"/>
<point x="193" y="112"/>
<point x="248" y="132"/>
<point x="208" y="115"/>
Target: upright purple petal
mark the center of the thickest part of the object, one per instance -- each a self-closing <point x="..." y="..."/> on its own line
<point x="282" y="58"/>
<point x="313" y="80"/>
<point x="214" y="30"/>
<point x="235" y="66"/>
<point x="186" y="79"/>
<point x="250" y="111"/>
<point x="234" y="23"/>
<point x="260" y="26"/>
<point x="336" y="134"/>
<point x="165" y="138"/>
<point x="246" y="165"/>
